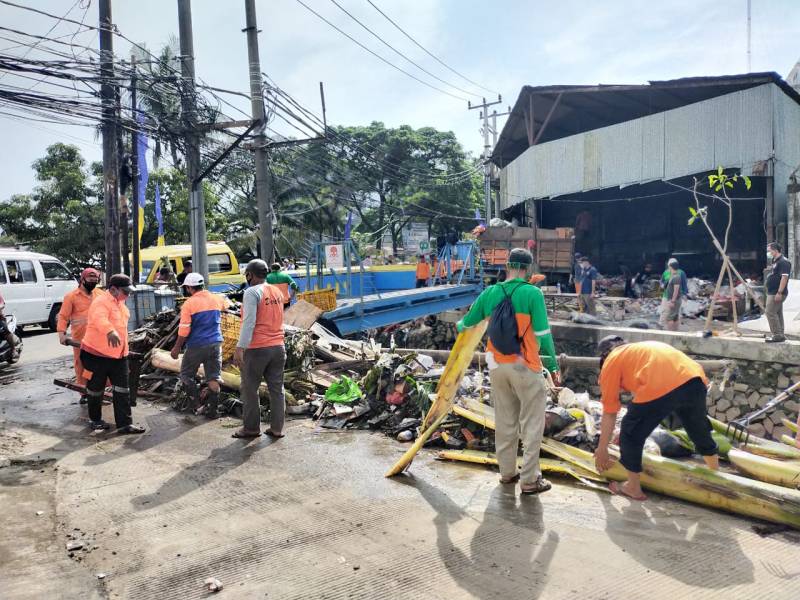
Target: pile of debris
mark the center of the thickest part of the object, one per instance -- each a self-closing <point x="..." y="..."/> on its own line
<point x="644" y="311"/>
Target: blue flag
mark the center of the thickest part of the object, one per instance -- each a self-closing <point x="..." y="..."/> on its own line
<point x="159" y="217"/>
<point x="141" y="152"/>
<point x="348" y="225"/>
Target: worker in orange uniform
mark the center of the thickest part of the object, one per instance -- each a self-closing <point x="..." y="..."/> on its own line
<point x="536" y="279"/>
<point x="663" y="380"/>
<point x="104" y="351"/>
<point x="260" y="352"/>
<point x="73" y="314"/>
<point x="200" y="330"/>
<point x="423" y="272"/>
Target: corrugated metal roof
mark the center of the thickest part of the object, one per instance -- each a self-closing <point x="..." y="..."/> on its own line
<point x="574" y="109"/>
<point x="734" y="131"/>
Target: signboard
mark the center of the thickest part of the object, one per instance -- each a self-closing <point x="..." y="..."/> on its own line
<point x="414" y="236"/>
<point x="334" y="256"/>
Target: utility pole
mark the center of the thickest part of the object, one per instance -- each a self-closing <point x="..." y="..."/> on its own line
<point x="197" y="218"/>
<point x="123" y="191"/>
<point x="263" y="191"/>
<point x="135" y="174"/>
<point x="495" y="133"/>
<point x="749" y="56"/>
<point x="110" y="199"/>
<point x="487" y="152"/>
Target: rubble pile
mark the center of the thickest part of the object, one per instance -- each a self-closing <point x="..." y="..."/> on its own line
<point x="644" y="310"/>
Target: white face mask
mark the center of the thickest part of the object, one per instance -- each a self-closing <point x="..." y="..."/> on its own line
<point x="769" y="255"/>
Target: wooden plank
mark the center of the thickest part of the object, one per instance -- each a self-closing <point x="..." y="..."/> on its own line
<point x="302" y="314"/>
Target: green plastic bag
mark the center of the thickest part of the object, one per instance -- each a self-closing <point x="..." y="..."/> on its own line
<point x="344" y="391"/>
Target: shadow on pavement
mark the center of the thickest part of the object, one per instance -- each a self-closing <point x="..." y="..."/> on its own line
<point x="510" y="541"/>
<point x="703" y="553"/>
<point x="202" y="472"/>
<point x="160" y="430"/>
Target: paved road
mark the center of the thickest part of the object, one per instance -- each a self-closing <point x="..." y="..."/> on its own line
<point x="41" y="345"/>
<point x="311" y="516"/>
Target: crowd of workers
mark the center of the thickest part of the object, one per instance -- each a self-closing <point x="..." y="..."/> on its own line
<point x="675" y="288"/>
<point x="661" y="379"/>
<point x="98" y="331"/>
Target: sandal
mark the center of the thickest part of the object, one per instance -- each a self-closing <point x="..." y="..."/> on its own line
<point x="242" y="434"/>
<point x="537" y="487"/>
<point x="509" y="480"/>
<point x="616" y="488"/>
<point x="276" y="436"/>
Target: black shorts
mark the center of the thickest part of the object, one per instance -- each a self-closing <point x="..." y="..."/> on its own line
<point x="688" y="401"/>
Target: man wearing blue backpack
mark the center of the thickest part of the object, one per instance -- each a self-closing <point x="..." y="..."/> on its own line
<point x="519" y="333"/>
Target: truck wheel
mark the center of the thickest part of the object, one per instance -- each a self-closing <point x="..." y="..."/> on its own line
<point x="52" y="321"/>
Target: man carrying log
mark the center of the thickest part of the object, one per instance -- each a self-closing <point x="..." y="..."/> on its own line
<point x="663" y="380"/>
<point x="201" y="332"/>
<point x="260" y="352"/>
<point x="518" y="333"/>
<point x="74" y="314"/>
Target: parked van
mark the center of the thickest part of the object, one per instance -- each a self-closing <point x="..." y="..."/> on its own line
<point x="223" y="268"/>
<point x="33" y="286"/>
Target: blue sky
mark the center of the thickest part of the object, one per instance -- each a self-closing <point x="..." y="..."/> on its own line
<point x="502" y="45"/>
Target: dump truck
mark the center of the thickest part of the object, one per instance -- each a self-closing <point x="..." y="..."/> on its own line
<point x="552" y="250"/>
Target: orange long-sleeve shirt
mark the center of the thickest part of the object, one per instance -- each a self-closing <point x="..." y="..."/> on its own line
<point x="648" y="370"/>
<point x="106" y="314"/>
<point x="75" y="311"/>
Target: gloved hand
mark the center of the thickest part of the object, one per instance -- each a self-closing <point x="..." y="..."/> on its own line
<point x="460" y="326"/>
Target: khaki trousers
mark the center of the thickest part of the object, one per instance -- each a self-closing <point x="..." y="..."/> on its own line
<point x="519" y="397"/>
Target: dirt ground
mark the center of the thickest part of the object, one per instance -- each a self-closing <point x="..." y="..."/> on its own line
<point x="311" y="516"/>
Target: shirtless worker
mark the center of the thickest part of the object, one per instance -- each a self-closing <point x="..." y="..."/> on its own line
<point x="74" y="314"/>
<point x="663" y="381"/>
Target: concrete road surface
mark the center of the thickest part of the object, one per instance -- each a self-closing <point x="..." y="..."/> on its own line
<point x="311" y="517"/>
<point x="40" y="345"/>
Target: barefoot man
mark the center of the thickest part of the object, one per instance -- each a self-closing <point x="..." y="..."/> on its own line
<point x="663" y="381"/>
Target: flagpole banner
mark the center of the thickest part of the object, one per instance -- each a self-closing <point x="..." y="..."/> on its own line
<point x="144" y="175"/>
<point x="348" y="226"/>
<point x="159" y="217"/>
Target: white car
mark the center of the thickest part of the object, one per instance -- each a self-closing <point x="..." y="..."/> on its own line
<point x="33" y="286"/>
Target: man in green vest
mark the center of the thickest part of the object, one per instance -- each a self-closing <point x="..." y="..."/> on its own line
<point x="519" y="392"/>
<point x="283" y="281"/>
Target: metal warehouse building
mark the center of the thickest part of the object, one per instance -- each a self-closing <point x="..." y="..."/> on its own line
<point x="618" y="159"/>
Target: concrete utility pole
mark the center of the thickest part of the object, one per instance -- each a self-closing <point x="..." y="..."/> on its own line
<point x="263" y="190"/>
<point x="749" y="55"/>
<point x="135" y="176"/>
<point x="110" y="189"/>
<point x="495" y="133"/>
<point x="487" y="153"/>
<point x="197" y="214"/>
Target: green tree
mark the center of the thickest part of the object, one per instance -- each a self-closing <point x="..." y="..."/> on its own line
<point x="175" y="209"/>
<point x="395" y="176"/>
<point x="64" y="215"/>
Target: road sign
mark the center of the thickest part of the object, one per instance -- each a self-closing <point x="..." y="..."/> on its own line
<point x="334" y="256"/>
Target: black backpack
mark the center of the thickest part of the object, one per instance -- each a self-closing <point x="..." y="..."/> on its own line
<point x="503" y="325"/>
